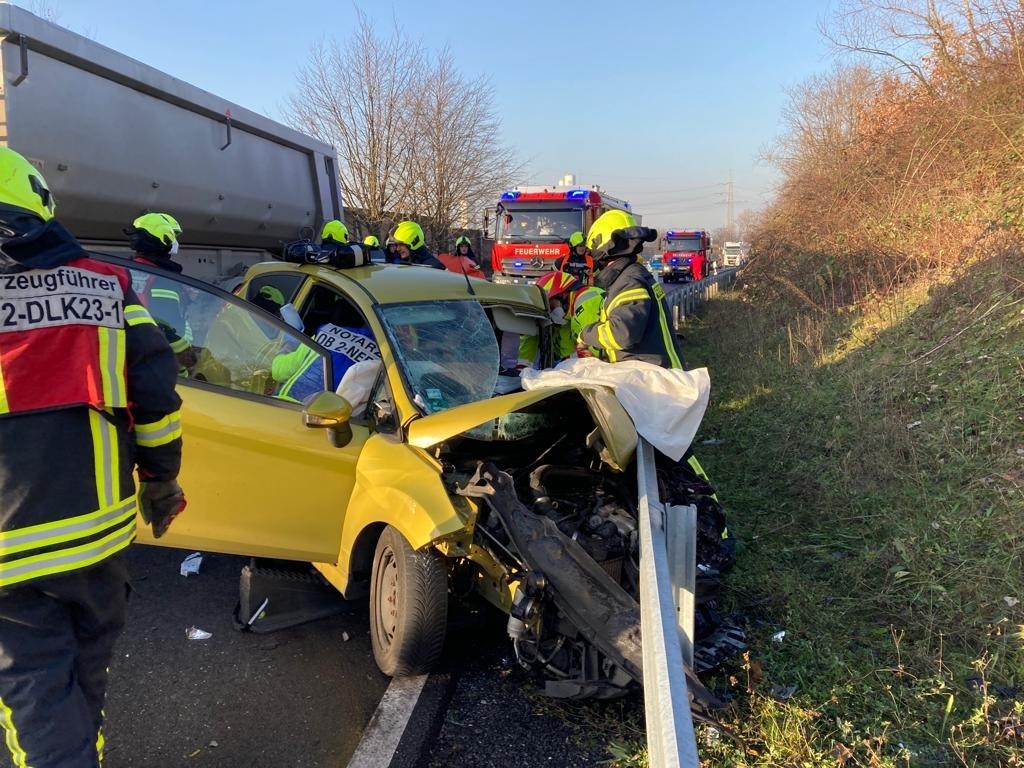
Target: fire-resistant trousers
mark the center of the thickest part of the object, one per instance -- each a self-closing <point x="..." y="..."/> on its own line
<point x="56" y="641"/>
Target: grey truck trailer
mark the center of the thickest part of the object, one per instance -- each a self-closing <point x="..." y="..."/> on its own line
<point x="116" y="138"/>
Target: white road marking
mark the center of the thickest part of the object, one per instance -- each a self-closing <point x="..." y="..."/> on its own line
<point x="381" y="737"/>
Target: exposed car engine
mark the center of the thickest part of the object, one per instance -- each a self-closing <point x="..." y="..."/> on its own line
<point x="567" y="534"/>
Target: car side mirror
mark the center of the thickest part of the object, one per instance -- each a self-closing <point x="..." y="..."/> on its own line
<point x="330" y="411"/>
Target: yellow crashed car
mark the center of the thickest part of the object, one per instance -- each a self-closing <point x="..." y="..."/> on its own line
<point x="432" y="474"/>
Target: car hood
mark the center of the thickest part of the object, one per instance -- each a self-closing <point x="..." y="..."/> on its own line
<point x="616" y="428"/>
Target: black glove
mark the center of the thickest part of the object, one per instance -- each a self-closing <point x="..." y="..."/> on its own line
<point x="160" y="502"/>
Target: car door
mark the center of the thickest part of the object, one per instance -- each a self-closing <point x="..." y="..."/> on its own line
<point x="258" y="481"/>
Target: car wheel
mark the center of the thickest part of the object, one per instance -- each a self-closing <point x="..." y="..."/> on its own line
<point x="408" y="606"/>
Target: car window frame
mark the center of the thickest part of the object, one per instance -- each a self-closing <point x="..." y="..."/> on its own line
<point x="325" y="355"/>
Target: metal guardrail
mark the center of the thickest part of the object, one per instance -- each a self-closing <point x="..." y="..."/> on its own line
<point x="668" y="556"/>
<point x="685" y="300"/>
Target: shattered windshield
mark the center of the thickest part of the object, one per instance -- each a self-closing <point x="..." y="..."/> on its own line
<point x="446" y="351"/>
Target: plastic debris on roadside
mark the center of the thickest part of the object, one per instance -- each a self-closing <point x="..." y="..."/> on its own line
<point x="778" y="636"/>
<point x="195" y="633"/>
<point x="712" y="441"/>
<point x="783" y="692"/>
<point x="191" y="564"/>
<point x="345" y="637"/>
<point x="1010" y="601"/>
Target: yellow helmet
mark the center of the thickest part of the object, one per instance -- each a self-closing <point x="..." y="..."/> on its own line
<point x="599" y="238"/>
<point x="160" y="226"/>
<point x="409" y="233"/>
<point x="173" y="222"/>
<point x="371" y="241"/>
<point x="462" y="240"/>
<point x="585" y="309"/>
<point x="23" y="186"/>
<point x="334" y="230"/>
<point x="576" y="238"/>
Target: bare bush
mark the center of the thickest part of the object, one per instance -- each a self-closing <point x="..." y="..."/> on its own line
<point x="897" y="161"/>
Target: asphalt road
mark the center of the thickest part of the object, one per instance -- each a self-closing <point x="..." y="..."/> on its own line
<point x="297" y="697"/>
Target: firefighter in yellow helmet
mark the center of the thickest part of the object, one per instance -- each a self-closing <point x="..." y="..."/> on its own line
<point x="86" y="396"/>
<point x="154" y="238"/>
<point x="634" y="322"/>
<point x="412" y="245"/>
<point x="578" y="261"/>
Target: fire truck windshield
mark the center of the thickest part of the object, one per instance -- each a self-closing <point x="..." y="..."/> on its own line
<point x="683" y="244"/>
<point x="540" y="225"/>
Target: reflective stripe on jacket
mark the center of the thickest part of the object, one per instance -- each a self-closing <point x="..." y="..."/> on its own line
<point x="634" y="321"/>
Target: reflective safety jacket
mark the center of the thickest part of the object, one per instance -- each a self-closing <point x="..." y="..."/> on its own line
<point x="634" y="322"/>
<point x="299" y="373"/>
<point x="163" y="299"/>
<point x="86" y="394"/>
<point x="581" y="267"/>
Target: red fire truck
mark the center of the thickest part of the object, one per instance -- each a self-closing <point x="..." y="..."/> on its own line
<point x="687" y="252"/>
<point x="533" y="225"/>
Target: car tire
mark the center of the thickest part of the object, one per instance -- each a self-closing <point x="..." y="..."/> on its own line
<point x="408" y="606"/>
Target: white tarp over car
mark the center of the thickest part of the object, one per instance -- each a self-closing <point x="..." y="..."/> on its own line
<point x="666" y="405"/>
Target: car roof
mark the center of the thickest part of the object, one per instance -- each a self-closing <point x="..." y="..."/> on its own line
<point x="402" y="283"/>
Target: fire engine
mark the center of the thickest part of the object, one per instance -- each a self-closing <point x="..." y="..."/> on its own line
<point x="687" y="251"/>
<point x="533" y="224"/>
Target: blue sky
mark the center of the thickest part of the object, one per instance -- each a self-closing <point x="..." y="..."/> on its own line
<point x="656" y="101"/>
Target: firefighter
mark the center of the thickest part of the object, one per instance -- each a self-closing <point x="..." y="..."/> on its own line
<point x="578" y="261"/>
<point x="634" y="322"/>
<point x="463" y="261"/>
<point x="560" y="289"/>
<point x="371" y="242"/>
<point x="412" y="245"/>
<point x="86" y="393"/>
<point x="391" y="251"/>
<point x="154" y="238"/>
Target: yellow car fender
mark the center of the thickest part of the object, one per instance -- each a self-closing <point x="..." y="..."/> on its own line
<point x="397" y="485"/>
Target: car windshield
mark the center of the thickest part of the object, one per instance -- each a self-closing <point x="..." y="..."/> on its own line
<point x="446" y="351"/>
<point x="682" y="244"/>
<point x="539" y="225"/>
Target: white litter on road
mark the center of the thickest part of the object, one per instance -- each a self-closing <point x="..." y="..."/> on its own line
<point x="389" y="721"/>
<point x="191" y="564"/>
<point x="779" y="636"/>
<point x="195" y="633"/>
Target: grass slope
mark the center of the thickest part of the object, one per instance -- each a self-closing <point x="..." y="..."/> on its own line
<point x="873" y="468"/>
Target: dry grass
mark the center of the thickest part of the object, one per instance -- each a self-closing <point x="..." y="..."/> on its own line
<point x="874" y="466"/>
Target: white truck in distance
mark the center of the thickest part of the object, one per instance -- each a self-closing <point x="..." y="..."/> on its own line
<point x="735" y="254"/>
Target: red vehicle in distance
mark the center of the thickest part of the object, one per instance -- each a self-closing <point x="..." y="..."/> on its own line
<point x="533" y="225"/>
<point x="686" y="256"/>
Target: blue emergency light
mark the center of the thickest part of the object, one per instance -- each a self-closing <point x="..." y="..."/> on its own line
<point x="517" y="264"/>
<point x="510" y="195"/>
<point x="577" y="194"/>
<point x="673" y="260"/>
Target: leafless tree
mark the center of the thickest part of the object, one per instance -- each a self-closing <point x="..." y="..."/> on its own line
<point x="459" y="162"/>
<point x="414" y="136"/>
<point x="359" y="98"/>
